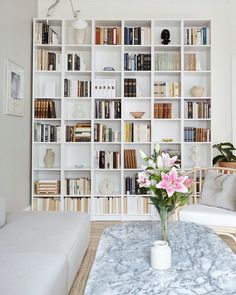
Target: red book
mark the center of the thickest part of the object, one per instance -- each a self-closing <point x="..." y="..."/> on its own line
<point x="98" y="35"/>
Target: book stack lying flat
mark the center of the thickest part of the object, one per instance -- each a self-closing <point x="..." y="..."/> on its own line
<point x="47" y="204"/>
<point x="107" y="160"/>
<point x="169" y="61"/>
<point x="47" y="187"/>
<point x="130" y="87"/>
<point x="105" y="109"/>
<point x="132" y="186"/>
<point x="78" y="186"/>
<point x="167" y="89"/>
<point x="44" y="34"/>
<point x="107" y="205"/>
<point x="108" y="35"/>
<point x="193" y="110"/>
<point x="137" y="62"/>
<point x="137" y="132"/>
<point x="103" y="133"/>
<point x="130" y="160"/>
<point x="47" y="133"/>
<point x="78" y="204"/>
<point x="48" y="60"/>
<point x="73" y="62"/>
<point x="196" y="36"/>
<point x="190" y="62"/>
<point x="77" y="88"/>
<point x="44" y="108"/>
<point x="104" y="88"/>
<point x="163" y="110"/>
<point x="136" y="205"/>
<point x="192" y="134"/>
<point x="137" y="36"/>
<point x="80" y="132"/>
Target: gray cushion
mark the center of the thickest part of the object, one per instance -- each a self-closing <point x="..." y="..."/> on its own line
<point x="219" y="190"/>
<point x="2" y="212"/>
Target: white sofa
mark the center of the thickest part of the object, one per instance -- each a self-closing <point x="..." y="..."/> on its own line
<point x="41" y="252"/>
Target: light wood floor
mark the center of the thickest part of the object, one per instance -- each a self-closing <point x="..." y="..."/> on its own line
<point x="97" y="229"/>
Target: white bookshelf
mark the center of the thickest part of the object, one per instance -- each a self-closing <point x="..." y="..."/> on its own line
<point x="69" y="156"/>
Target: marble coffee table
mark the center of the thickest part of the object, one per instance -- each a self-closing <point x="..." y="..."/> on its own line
<point x="201" y="262"/>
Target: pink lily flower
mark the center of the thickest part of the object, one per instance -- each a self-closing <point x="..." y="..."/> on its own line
<point x="172" y="182"/>
<point x="143" y="180"/>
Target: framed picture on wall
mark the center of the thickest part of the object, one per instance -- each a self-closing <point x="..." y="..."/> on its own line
<point x="14" y="94"/>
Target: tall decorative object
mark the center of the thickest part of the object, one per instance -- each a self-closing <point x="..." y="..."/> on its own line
<point x="165" y="36"/>
<point x="49" y="158"/>
<point x="195" y="156"/>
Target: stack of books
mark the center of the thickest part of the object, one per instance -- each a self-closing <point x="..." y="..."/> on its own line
<point x="168" y="61"/>
<point x="108" y="35"/>
<point x="137" y="132"/>
<point x="44" y="34"/>
<point x="104" y="88"/>
<point x="132" y="186"/>
<point x="107" y="160"/>
<point x="47" y="133"/>
<point x="196" y="36"/>
<point x="47" y="187"/>
<point x="190" y="62"/>
<point x="73" y="62"/>
<point x="137" y="62"/>
<point x="137" y="36"/>
<point x="163" y="111"/>
<point x="103" y="133"/>
<point x="44" y="108"/>
<point x="48" y="60"/>
<point x="107" y="205"/>
<point x="77" y="204"/>
<point x="130" y="87"/>
<point x="167" y="89"/>
<point x="105" y="109"/>
<point x="130" y="159"/>
<point x="197" y="110"/>
<point x="77" y="88"/>
<point x="81" y="132"/>
<point x="192" y="134"/>
<point x="78" y="186"/>
<point x="47" y="204"/>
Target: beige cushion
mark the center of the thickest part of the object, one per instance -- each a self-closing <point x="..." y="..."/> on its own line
<point x="219" y="190"/>
<point x="2" y="212"/>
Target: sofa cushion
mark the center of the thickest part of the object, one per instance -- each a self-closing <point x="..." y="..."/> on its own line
<point x="208" y="215"/>
<point x="219" y="190"/>
<point x="33" y="274"/>
<point x="2" y="212"/>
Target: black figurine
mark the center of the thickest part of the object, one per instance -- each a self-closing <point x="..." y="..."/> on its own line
<point x="165" y="35"/>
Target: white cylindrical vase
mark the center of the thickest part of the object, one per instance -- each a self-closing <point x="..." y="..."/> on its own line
<point x="79" y="36"/>
<point x="160" y="256"/>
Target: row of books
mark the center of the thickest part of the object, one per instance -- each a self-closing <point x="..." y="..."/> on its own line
<point x="73" y="62"/>
<point x="168" y="61"/>
<point x="137" y="205"/>
<point x="132" y="186"/>
<point x="48" y="60"/>
<point x="130" y="159"/>
<point x="80" y="132"/>
<point x="107" y="160"/>
<point x="163" y="111"/>
<point x="107" y="205"/>
<point x="77" y="88"/>
<point x="130" y="87"/>
<point x="197" y="110"/>
<point x="44" y="108"/>
<point x="192" y="134"/>
<point x="77" y="204"/>
<point x="47" y="133"/>
<point x="47" y="204"/>
<point x="105" y="109"/>
<point x="167" y="89"/>
<point x="108" y="35"/>
<point x="196" y="36"/>
<point x="47" y="187"/>
<point x="44" y="34"/>
<point x="78" y="186"/>
<point x="104" y="88"/>
<point x="137" y="132"/>
<point x="137" y="62"/>
<point x="103" y="133"/>
<point x="190" y="62"/>
<point x="137" y="36"/>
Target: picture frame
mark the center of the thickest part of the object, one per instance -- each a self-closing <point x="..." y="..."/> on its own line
<point x="14" y="89"/>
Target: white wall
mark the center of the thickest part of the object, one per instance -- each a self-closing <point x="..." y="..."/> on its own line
<point x="217" y="11"/>
<point x="15" y="35"/>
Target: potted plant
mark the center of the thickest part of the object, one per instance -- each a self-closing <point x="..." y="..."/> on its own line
<point x="226" y="157"/>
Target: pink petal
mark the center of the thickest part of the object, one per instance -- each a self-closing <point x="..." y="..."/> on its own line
<point x="182" y="178"/>
<point x="173" y="159"/>
<point x="181" y="188"/>
<point x="164" y="176"/>
<point x="170" y="191"/>
<point x="173" y="175"/>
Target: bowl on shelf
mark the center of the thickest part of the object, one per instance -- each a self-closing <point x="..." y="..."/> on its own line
<point x="137" y="115"/>
<point x="167" y="139"/>
<point x="197" y="91"/>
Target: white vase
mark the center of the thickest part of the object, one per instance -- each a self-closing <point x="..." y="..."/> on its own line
<point x="79" y="36"/>
<point x="160" y="255"/>
<point x="49" y="158"/>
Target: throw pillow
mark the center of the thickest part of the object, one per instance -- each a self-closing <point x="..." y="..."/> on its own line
<point x="2" y="212"/>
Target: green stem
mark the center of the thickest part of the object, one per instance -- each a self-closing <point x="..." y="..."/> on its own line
<point x="164" y="223"/>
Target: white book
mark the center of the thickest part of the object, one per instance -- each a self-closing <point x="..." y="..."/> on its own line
<point x="113" y="87"/>
<point x="143" y="36"/>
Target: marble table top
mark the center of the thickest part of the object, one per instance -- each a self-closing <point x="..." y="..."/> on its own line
<point x="201" y="262"/>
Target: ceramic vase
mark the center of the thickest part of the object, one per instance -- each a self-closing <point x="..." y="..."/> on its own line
<point x="160" y="255"/>
<point x="49" y="158"/>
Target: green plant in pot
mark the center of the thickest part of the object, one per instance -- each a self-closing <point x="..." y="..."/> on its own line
<point x="226" y="157"/>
